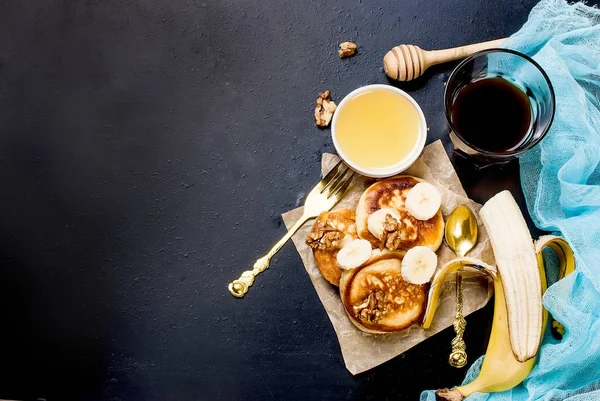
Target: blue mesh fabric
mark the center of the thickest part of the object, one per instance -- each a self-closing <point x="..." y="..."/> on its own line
<point x="561" y="182"/>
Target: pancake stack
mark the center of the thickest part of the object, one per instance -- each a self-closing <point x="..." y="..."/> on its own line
<point x="380" y="255"/>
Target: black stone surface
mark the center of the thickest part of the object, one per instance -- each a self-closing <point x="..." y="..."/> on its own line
<point x="147" y="150"/>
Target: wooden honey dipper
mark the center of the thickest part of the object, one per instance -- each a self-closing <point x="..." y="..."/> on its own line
<point x="407" y="62"/>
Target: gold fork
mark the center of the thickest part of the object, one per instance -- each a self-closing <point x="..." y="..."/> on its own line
<point x="322" y="198"/>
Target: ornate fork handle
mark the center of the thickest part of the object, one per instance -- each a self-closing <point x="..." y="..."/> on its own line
<point x="239" y="287"/>
<point x="458" y="357"/>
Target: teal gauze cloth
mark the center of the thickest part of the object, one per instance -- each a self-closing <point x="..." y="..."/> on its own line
<point x="561" y="182"/>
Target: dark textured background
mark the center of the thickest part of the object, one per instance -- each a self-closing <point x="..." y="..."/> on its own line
<point x="147" y="150"/>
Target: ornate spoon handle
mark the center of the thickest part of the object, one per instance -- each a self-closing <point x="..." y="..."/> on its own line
<point x="458" y="357"/>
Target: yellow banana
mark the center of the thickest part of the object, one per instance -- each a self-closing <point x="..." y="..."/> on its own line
<point x="501" y="370"/>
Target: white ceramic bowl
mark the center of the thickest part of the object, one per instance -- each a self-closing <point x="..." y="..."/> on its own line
<point x="400" y="165"/>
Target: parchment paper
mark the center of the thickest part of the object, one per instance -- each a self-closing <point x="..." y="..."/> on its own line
<point x="362" y="351"/>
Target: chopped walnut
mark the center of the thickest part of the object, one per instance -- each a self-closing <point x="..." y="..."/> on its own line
<point x="396" y="234"/>
<point x="325" y="109"/>
<point x="347" y="49"/>
<point x="372" y="309"/>
<point x="390" y="226"/>
<point x="324" y="237"/>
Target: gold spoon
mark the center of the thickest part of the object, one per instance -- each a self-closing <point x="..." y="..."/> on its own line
<point x="461" y="237"/>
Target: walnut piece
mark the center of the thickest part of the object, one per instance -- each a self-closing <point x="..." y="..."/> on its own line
<point x="373" y="308"/>
<point x="390" y="226"/>
<point x="324" y="237"/>
<point x="325" y="109"/>
<point x="347" y="49"/>
<point x="395" y="234"/>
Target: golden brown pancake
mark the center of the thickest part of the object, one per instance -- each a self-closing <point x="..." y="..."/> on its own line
<point x="378" y="300"/>
<point x="391" y="193"/>
<point x="324" y="239"/>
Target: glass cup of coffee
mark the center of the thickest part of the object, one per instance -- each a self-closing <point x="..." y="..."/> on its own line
<point x="498" y="103"/>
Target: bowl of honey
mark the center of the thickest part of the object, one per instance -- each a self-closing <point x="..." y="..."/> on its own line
<point x="379" y="130"/>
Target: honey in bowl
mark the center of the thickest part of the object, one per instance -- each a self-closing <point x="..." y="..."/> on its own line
<point x="378" y="130"/>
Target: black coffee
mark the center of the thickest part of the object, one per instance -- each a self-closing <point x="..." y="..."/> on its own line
<point x="492" y="114"/>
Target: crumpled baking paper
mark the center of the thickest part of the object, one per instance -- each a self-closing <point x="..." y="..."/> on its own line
<point x="362" y="351"/>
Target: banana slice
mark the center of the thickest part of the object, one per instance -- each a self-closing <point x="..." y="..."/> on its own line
<point x="418" y="265"/>
<point x="354" y="254"/>
<point x="346" y="240"/>
<point x="423" y="201"/>
<point x="376" y="220"/>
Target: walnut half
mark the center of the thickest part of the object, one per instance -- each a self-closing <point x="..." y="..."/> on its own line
<point x="347" y="49"/>
<point x="396" y="233"/>
<point x="324" y="237"/>
<point x="325" y="109"/>
<point x="390" y="226"/>
<point x="372" y="309"/>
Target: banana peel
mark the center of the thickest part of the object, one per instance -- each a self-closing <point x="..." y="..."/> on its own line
<point x="438" y="279"/>
<point x="501" y="370"/>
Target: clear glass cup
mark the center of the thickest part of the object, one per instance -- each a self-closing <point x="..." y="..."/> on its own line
<point x="521" y="71"/>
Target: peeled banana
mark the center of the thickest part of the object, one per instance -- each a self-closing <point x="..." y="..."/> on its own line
<point x="518" y="268"/>
<point x="501" y="370"/>
<point x="519" y="282"/>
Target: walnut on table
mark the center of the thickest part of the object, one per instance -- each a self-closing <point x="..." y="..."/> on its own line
<point x="347" y="49"/>
<point x="325" y="109"/>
